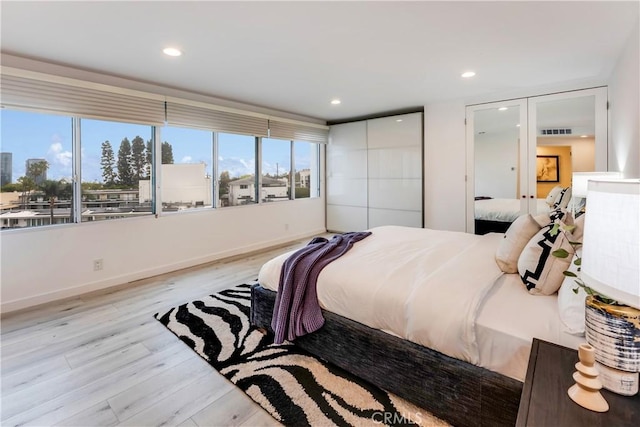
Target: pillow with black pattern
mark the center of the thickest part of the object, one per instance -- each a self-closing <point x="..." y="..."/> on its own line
<point x="563" y="198"/>
<point x="540" y="271"/>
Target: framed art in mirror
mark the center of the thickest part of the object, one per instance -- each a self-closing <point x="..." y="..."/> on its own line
<point x="547" y="169"/>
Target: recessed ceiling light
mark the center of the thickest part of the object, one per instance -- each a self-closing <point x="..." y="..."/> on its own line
<point x="398" y="120"/>
<point x="468" y="74"/>
<point x="172" y="51"/>
<point x="518" y="125"/>
<point x="335" y="101"/>
<point x="584" y="136"/>
<point x="503" y="109"/>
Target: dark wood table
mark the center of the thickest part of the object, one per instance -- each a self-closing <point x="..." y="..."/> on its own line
<point x="545" y="401"/>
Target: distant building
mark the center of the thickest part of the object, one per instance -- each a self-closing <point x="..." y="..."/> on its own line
<point x="6" y="169"/>
<point x="243" y="191"/>
<point x="305" y="178"/>
<point x="183" y="186"/>
<point x="41" y="177"/>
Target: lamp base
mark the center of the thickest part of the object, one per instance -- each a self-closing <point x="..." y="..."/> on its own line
<point x="614" y="333"/>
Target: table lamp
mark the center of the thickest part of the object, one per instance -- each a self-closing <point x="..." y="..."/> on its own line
<point x="611" y="267"/>
<point x="579" y="182"/>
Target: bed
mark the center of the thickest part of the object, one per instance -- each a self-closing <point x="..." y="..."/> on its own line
<point x="429" y="316"/>
<point x="496" y="215"/>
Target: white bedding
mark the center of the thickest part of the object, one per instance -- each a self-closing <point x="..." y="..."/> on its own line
<point x="439" y="289"/>
<point x="503" y="210"/>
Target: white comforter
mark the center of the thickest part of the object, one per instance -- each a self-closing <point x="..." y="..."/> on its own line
<point x="419" y="284"/>
<point x="504" y="210"/>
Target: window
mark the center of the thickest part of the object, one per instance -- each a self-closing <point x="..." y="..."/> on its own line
<point x="116" y="170"/>
<point x="276" y="170"/>
<point x="236" y="170"/>
<point x="307" y="169"/>
<point x="36" y="169"/>
<point x="187" y="160"/>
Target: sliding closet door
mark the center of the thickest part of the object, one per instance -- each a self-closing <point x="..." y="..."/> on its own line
<point x="347" y="177"/>
<point x="395" y="170"/>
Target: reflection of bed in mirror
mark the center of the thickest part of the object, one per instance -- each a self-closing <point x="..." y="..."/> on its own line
<point x="496" y="215"/>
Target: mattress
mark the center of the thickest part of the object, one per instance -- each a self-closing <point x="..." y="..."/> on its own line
<point x="393" y="291"/>
<point x="509" y="319"/>
<point x="503" y="210"/>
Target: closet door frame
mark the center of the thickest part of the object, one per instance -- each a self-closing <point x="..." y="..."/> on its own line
<point x="523" y="173"/>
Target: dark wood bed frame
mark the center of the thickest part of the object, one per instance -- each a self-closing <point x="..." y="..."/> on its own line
<point x="455" y="391"/>
<point x="484" y="226"/>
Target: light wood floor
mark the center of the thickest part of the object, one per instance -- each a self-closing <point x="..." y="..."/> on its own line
<point x="104" y="360"/>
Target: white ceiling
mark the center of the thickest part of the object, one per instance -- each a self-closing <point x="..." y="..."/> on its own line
<point x="297" y="56"/>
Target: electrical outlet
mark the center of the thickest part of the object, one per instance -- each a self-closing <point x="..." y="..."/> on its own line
<point x="98" y="264"/>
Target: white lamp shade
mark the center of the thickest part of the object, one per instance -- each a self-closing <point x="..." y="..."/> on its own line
<point x="611" y="246"/>
<point x="579" y="181"/>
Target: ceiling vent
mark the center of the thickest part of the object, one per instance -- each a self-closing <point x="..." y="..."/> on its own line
<point x="561" y="131"/>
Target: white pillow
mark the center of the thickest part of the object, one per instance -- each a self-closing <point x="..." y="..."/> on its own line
<point x="541" y="272"/>
<point x="515" y="239"/>
<point x="553" y="195"/>
<point x="571" y="305"/>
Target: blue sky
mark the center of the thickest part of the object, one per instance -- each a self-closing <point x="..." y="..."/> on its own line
<point x="33" y="135"/>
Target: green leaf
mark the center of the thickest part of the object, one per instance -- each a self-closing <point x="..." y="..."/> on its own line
<point x="560" y="253"/>
<point x="575" y="291"/>
<point x="569" y="274"/>
<point x="555" y="229"/>
<point x="575" y="243"/>
<point x="569" y="227"/>
<point x="578" y="261"/>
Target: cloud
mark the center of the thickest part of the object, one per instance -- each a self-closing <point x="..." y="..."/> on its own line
<point x="186" y="159"/>
<point x="236" y="166"/>
<point x="58" y="156"/>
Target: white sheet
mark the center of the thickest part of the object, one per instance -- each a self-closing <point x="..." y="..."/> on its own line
<point x="406" y="280"/>
<point x="509" y="319"/>
<point x="503" y="210"/>
<point x="385" y="283"/>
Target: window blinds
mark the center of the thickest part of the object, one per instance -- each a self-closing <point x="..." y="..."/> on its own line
<point x="297" y="131"/>
<point x="205" y="116"/>
<point x="30" y="90"/>
<point x="43" y="92"/>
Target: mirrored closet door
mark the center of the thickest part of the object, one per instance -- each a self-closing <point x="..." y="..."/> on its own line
<point x="570" y="135"/>
<point x="496" y="166"/>
<point x="520" y="150"/>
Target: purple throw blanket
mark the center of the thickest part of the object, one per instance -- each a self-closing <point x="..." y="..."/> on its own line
<point x="297" y="310"/>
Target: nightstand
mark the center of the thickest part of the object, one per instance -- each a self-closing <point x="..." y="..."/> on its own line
<point x="545" y="402"/>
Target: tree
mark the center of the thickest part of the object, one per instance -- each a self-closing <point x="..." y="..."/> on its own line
<point x="138" y="159"/>
<point x="10" y="188"/>
<point x="108" y="162"/>
<point x="36" y="170"/>
<point x="148" y="153"/>
<point x="125" y="175"/>
<point x="52" y="190"/>
<point x="27" y="184"/>
<point x="224" y="183"/>
<point x="167" y="153"/>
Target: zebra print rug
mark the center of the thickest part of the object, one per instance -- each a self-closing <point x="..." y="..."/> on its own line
<point x="293" y="386"/>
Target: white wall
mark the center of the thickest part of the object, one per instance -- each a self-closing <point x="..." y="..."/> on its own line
<point x="48" y="263"/>
<point x="624" y="98"/>
<point x="444" y="166"/>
